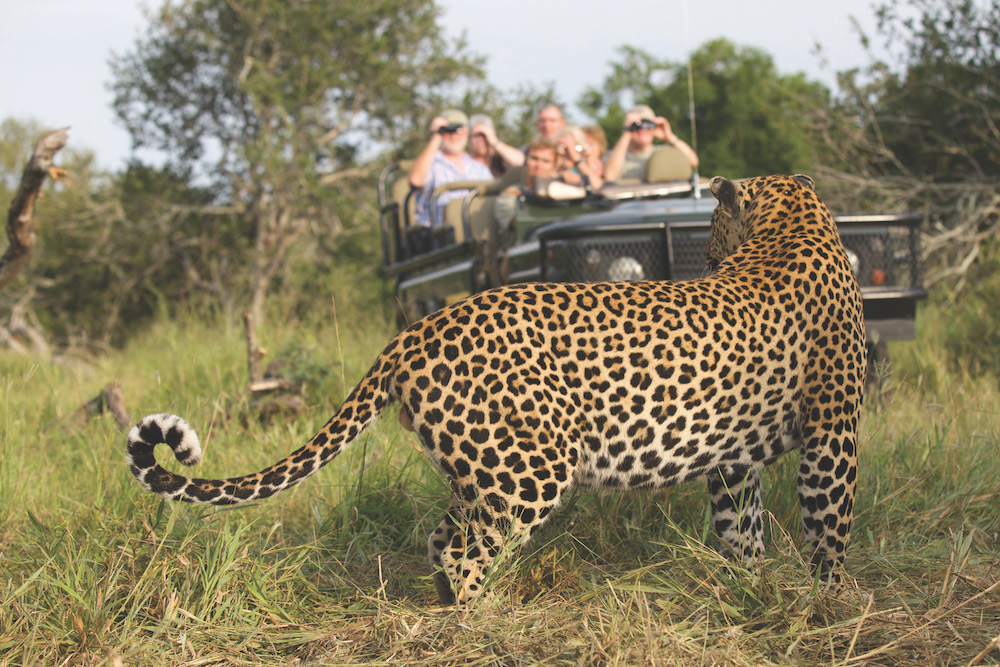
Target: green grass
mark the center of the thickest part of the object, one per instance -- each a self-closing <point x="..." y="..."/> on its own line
<point x="96" y="571"/>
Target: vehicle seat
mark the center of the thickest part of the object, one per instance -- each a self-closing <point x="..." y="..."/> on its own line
<point x="479" y="211"/>
<point x="667" y="164"/>
<point x="513" y="176"/>
<point x="452" y="220"/>
<point x="400" y="192"/>
<point x="397" y="205"/>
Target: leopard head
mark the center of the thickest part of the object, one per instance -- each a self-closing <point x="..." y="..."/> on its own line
<point x="739" y="201"/>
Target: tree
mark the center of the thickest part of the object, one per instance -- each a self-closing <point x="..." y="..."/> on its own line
<point x="112" y="250"/>
<point x="749" y="119"/>
<point x="918" y="130"/>
<point x="273" y="102"/>
<point x="935" y="106"/>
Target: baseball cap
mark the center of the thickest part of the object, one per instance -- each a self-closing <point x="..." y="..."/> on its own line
<point x="645" y="112"/>
<point x="455" y="117"/>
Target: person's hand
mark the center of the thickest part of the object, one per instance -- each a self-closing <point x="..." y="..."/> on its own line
<point x="570" y="149"/>
<point x="489" y="134"/>
<point x="631" y="119"/>
<point x="436" y="124"/>
<point x="663" y="131"/>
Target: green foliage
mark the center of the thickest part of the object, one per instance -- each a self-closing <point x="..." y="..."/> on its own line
<point x="99" y="265"/>
<point x="750" y="119"/>
<point x="281" y="86"/>
<point x="966" y="325"/>
<point x="273" y="101"/>
<point x="935" y="110"/>
<point x="115" y="252"/>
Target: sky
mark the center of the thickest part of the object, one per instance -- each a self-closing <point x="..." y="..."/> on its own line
<point x="54" y="53"/>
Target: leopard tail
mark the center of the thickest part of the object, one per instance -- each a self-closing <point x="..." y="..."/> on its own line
<point x="369" y="399"/>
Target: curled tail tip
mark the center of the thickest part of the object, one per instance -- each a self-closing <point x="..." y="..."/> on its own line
<point x="169" y="429"/>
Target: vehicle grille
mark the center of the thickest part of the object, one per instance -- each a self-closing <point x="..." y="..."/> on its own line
<point x="644" y="255"/>
<point x="887" y="256"/>
<point x="884" y="255"/>
<point x="617" y="258"/>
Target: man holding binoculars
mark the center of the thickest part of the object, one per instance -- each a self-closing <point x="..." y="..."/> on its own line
<point x="444" y="160"/>
<point x="627" y="160"/>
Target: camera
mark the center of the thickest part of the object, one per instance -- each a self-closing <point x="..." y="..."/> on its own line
<point x="450" y="128"/>
<point x="641" y="125"/>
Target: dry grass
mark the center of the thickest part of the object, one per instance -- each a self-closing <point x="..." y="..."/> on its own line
<point x="94" y="571"/>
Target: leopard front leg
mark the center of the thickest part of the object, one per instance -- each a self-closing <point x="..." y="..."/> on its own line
<point x="828" y="471"/>
<point x="736" y="513"/>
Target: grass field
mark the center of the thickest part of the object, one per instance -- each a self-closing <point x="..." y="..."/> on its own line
<point x="97" y="571"/>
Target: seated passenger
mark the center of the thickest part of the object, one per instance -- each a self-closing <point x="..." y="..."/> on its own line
<point x="550" y="120"/>
<point x="539" y="164"/>
<point x="597" y="144"/>
<point x="627" y="160"/>
<point x="486" y="148"/>
<point x="576" y="165"/>
<point x="443" y="161"/>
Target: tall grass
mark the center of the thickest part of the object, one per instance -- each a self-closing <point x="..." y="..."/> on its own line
<point x="96" y="571"/>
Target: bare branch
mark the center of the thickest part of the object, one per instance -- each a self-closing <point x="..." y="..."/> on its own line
<point x="21" y="215"/>
<point x="111" y="400"/>
<point x="254" y="353"/>
<point x="331" y="179"/>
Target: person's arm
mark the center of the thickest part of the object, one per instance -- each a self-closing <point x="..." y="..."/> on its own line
<point x="422" y="165"/>
<point x="615" y="159"/>
<point x="566" y="157"/>
<point x="586" y="169"/>
<point x="574" y="156"/>
<point x="511" y="156"/>
<point x="664" y="132"/>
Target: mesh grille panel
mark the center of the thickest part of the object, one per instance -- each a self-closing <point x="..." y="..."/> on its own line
<point x="618" y="257"/>
<point x="688" y="247"/>
<point x="886" y="256"/>
<point x="883" y="255"/>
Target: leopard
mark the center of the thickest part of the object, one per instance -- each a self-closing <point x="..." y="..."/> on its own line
<point x="519" y="393"/>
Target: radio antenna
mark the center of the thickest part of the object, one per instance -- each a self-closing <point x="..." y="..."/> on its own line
<point x="690" y="77"/>
<point x="695" y="185"/>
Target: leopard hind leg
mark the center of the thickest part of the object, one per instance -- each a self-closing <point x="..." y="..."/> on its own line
<point x="736" y="514"/>
<point x="463" y="547"/>
<point x="437" y="542"/>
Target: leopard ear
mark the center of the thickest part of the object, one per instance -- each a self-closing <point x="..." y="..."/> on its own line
<point x="725" y="192"/>
<point x="804" y="180"/>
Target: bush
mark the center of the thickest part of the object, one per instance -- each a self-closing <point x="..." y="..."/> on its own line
<point x="971" y="330"/>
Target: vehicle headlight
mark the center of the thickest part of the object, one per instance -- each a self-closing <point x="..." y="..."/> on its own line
<point x="626" y="268"/>
<point x="852" y="258"/>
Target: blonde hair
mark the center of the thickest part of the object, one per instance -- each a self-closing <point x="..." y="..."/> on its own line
<point x="573" y="130"/>
<point x="596" y="132"/>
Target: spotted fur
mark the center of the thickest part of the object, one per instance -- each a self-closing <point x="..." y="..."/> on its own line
<point x="520" y="392"/>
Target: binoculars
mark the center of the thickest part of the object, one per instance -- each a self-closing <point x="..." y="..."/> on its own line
<point x="641" y="125"/>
